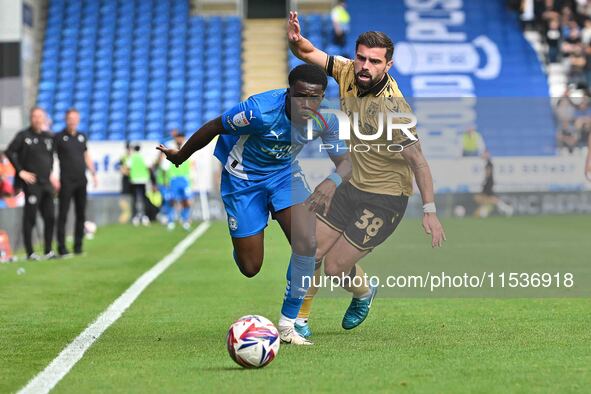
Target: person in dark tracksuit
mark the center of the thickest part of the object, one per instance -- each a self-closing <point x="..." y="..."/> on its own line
<point x="72" y="152"/>
<point x="31" y="153"/>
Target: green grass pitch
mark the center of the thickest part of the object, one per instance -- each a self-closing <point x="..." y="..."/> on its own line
<point x="172" y="339"/>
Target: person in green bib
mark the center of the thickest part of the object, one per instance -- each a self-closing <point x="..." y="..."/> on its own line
<point x="340" y="24"/>
<point x="161" y="179"/>
<point x="180" y="190"/>
<point x="139" y="176"/>
<point x="472" y="143"/>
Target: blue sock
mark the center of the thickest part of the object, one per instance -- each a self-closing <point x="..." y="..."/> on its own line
<point x="300" y="273"/>
<point x="185" y="214"/>
<point x="171" y="214"/>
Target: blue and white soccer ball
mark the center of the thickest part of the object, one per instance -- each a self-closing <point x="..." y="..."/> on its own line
<point x="253" y="341"/>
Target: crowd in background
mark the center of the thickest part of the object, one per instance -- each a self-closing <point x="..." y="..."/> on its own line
<point x="565" y="28"/>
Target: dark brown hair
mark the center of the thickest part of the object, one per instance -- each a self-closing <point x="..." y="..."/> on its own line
<point x="71" y="109"/>
<point x="376" y="39"/>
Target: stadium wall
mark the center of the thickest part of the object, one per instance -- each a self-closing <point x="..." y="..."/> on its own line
<point x="102" y="210"/>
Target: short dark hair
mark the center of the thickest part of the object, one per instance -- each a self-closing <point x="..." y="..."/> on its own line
<point x="376" y="39"/>
<point x="35" y="108"/>
<point x="72" y="109"/>
<point x="309" y="73"/>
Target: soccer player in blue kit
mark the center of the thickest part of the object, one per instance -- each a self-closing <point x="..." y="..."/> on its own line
<point x="257" y="147"/>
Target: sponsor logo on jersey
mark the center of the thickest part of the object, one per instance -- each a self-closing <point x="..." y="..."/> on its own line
<point x="240" y="119"/>
<point x="229" y="122"/>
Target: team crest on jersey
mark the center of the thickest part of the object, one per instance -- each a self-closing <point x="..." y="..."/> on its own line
<point x="233" y="223"/>
<point x="28" y="141"/>
<point x="240" y="119"/>
<point x="48" y="144"/>
<point x="66" y="138"/>
<point x="80" y="138"/>
<point x="373" y="109"/>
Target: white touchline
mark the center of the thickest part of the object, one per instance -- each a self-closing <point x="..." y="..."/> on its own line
<point x="63" y="363"/>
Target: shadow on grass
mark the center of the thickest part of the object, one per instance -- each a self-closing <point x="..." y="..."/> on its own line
<point x="227" y="369"/>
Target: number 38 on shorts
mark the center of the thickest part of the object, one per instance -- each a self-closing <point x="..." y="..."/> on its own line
<point x="365" y="219"/>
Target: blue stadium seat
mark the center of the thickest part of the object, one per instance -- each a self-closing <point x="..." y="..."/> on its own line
<point x="174" y="114"/>
<point x="136" y="116"/>
<point x="100" y="102"/>
<point x="82" y="106"/>
<point x="118" y="116"/>
<point x="173" y="124"/>
<point x="192" y="116"/>
<point x="191" y="127"/>
<point x="98" y="135"/>
<point x="116" y="135"/>
<point x="139" y="106"/>
<point x="213" y="94"/>
<point x="136" y="127"/>
<point x="155" y="135"/>
<point x="136" y="135"/>
<point x="210" y="115"/>
<point x="212" y="105"/>
<point x="119" y="105"/>
<point x="154" y="128"/>
<point x="121" y="61"/>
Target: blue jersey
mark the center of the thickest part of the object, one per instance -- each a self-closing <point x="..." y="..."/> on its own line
<point x="259" y="140"/>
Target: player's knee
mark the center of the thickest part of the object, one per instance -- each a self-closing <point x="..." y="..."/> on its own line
<point x="249" y="266"/>
<point x="332" y="267"/>
<point x="321" y="252"/>
<point x="304" y="246"/>
<point x="249" y="272"/>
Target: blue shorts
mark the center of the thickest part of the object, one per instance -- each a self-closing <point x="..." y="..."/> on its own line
<point x="249" y="203"/>
<point x="164" y="192"/>
<point x="179" y="189"/>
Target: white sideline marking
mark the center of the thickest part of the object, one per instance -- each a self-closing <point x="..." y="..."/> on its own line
<point x="63" y="363"/>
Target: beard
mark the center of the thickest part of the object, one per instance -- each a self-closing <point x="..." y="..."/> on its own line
<point x="365" y="83"/>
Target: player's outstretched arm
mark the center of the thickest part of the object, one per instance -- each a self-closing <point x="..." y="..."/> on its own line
<point x="300" y="46"/>
<point x="414" y="156"/>
<point x="198" y="140"/>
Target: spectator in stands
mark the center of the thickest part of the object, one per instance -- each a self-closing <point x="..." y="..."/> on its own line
<point x="340" y="24"/>
<point x="583" y="119"/>
<point x="70" y="146"/>
<point x="553" y="38"/>
<point x="565" y="115"/>
<point x="139" y="176"/>
<point x="578" y="64"/>
<point x="472" y="143"/>
<point x="586" y="32"/>
<point x="31" y="153"/>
